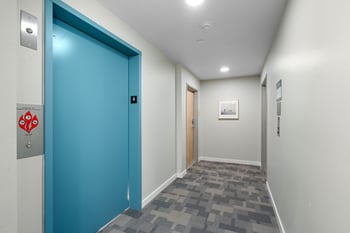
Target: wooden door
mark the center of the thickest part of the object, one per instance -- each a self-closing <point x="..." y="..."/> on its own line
<point x="190" y="127"/>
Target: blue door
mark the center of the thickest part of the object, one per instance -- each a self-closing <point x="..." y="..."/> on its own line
<point x="90" y="155"/>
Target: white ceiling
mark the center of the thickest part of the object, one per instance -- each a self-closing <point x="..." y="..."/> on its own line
<point x="240" y="36"/>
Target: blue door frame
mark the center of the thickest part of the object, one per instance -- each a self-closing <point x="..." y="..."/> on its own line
<point x="56" y="9"/>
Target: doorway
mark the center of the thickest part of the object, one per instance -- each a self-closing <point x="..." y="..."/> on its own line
<point x="264" y="125"/>
<point x="190" y="126"/>
<point x="92" y="130"/>
<point x="91" y="157"/>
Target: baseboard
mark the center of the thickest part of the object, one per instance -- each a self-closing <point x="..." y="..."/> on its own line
<point x="182" y="174"/>
<point x="150" y="197"/>
<point x="279" y="220"/>
<point x="225" y="160"/>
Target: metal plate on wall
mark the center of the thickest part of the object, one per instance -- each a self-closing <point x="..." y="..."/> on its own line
<point x="29" y="30"/>
<point x="30" y="124"/>
<point x="279" y="108"/>
<point x="279" y="90"/>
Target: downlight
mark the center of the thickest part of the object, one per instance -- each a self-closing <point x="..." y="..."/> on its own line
<point x="224" y="69"/>
<point x="194" y="2"/>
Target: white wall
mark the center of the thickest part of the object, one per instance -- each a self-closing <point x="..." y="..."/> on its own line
<point x="184" y="79"/>
<point x="308" y="165"/>
<point x="229" y="140"/>
<point x="21" y="82"/>
<point x="29" y="91"/>
<point x="8" y="162"/>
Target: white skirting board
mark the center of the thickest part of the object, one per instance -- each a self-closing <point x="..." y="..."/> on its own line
<point x="279" y="220"/>
<point x="150" y="197"/>
<point x="182" y="174"/>
<point x="225" y="160"/>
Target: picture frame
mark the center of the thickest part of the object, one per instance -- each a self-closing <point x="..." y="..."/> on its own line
<point x="229" y="110"/>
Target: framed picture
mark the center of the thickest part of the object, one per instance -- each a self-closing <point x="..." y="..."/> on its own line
<point x="228" y="110"/>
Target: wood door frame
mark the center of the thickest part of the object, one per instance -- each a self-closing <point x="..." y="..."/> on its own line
<point x="59" y="10"/>
<point x="195" y="117"/>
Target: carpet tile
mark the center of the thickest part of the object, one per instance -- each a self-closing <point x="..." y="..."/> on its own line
<point x="211" y="198"/>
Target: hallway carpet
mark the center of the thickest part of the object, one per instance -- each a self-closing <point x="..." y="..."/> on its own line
<point x="211" y="198"/>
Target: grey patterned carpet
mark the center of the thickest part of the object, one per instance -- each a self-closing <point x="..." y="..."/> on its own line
<point x="211" y="198"/>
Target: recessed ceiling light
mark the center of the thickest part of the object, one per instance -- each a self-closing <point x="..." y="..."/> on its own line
<point x="194" y="2"/>
<point x="224" y="69"/>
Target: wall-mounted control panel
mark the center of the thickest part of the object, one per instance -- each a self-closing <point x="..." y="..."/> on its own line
<point x="279" y="108"/>
<point x="30" y="125"/>
<point x="279" y="105"/>
<point x="29" y="30"/>
<point x="278" y="126"/>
